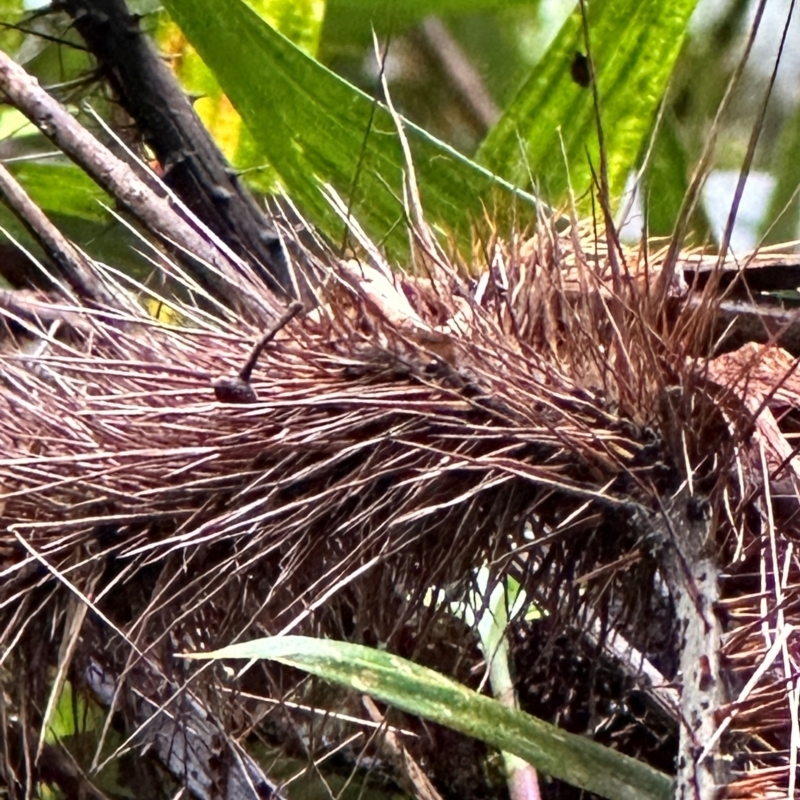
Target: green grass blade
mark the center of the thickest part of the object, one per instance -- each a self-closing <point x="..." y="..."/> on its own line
<point x="311" y="127"/>
<point x="421" y="691"/>
<point x="634" y="47"/>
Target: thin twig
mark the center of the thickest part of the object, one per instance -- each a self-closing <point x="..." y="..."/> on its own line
<point x="238" y="388"/>
<point x="703" y="168"/>
<point x="223" y="275"/>
<point x="287" y="316"/>
<point x="420" y="783"/>
<point x="69" y="261"/>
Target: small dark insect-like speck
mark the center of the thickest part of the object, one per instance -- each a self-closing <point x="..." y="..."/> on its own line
<point x="581" y="70"/>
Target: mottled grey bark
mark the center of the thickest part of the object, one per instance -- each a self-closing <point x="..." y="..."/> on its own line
<point x="692" y="571"/>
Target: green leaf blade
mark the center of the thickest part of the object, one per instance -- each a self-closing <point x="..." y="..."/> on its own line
<point x="312" y="128"/>
<point x="75" y="204"/>
<point x="428" y="694"/>
<point x="634" y="47"/>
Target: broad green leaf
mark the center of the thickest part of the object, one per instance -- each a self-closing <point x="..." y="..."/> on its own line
<point x="299" y="20"/>
<point x="74" y="204"/>
<point x="634" y="46"/>
<point x="62" y="188"/>
<point x="421" y="691"/>
<point x="782" y="217"/>
<point x="14" y="124"/>
<point x="11" y="11"/>
<point x="315" y="128"/>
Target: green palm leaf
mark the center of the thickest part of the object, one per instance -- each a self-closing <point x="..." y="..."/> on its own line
<point x="315" y="128"/>
<point x="551" y="123"/>
<point x="421" y="691"/>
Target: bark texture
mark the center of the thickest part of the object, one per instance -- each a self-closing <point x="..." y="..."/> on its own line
<point x="692" y="568"/>
<point x="193" y="165"/>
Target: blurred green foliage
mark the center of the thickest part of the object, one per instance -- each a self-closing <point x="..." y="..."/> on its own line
<point x="548" y="133"/>
<point x="315" y="129"/>
<point x="286" y="121"/>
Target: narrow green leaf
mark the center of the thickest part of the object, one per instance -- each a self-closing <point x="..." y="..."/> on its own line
<point x="300" y="21"/>
<point x="421" y="691"/>
<point x="634" y="46"/>
<point x="11" y="11"/>
<point x="315" y="128"/>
